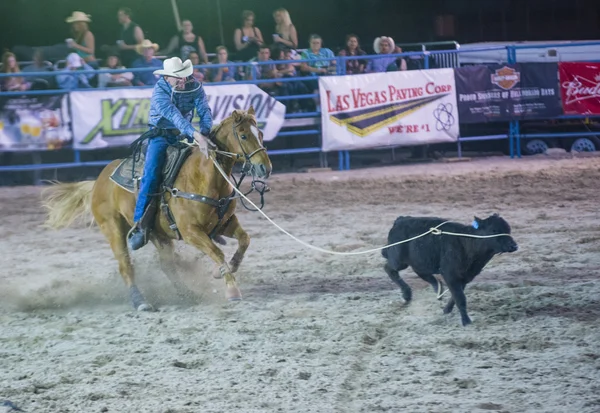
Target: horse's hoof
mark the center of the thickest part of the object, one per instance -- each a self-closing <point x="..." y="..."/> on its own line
<point x="233" y="294"/>
<point x="145" y="307"/>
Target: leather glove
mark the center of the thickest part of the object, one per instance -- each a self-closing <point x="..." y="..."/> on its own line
<point x="203" y="143"/>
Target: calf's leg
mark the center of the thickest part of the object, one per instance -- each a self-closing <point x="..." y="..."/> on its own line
<point x="458" y="296"/>
<point x="395" y="277"/>
<point x="437" y="285"/>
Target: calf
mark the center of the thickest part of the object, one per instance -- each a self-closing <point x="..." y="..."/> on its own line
<point x="458" y="259"/>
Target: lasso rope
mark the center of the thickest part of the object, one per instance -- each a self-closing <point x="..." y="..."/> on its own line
<point x="435" y="230"/>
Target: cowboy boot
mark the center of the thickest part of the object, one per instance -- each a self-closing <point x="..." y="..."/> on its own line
<point x="138" y="235"/>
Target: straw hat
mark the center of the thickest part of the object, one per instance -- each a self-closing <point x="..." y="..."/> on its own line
<point x="174" y="67"/>
<point x="146" y="44"/>
<point x="377" y="43"/>
<point x="79" y="16"/>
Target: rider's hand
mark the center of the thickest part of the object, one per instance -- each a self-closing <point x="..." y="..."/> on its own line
<point x="203" y="143"/>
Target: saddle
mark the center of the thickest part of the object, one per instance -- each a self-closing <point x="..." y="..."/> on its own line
<point x="129" y="172"/>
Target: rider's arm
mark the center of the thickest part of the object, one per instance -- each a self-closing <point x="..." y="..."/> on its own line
<point x="204" y="112"/>
<point x="161" y="102"/>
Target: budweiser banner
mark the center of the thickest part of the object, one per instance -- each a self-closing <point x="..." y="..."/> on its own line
<point x="488" y="93"/>
<point x="115" y="117"/>
<point x="34" y="123"/>
<point x="580" y="87"/>
<point x="388" y="109"/>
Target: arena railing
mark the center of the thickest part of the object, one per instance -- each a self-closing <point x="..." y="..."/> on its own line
<point x="513" y="135"/>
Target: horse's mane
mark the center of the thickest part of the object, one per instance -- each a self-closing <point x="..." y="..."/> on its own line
<point x="242" y="115"/>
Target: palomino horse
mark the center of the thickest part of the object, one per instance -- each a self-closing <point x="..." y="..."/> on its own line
<point x="237" y="139"/>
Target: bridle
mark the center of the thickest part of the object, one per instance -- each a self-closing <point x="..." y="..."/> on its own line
<point x="247" y="167"/>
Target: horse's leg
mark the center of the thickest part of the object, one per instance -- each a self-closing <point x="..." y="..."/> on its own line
<point x="193" y="236"/>
<point x="235" y="230"/>
<point x="115" y="230"/>
<point x="166" y="255"/>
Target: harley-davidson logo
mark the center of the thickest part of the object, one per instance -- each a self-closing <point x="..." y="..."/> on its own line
<point x="506" y="78"/>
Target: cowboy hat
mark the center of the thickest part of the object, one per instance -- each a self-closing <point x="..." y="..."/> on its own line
<point x="79" y="16"/>
<point x="174" y="67"/>
<point x="377" y="43"/>
<point x="146" y="44"/>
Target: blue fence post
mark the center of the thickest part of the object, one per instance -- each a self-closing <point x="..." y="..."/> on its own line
<point x="341" y="160"/>
<point x="517" y="134"/>
<point x="347" y="161"/>
<point x="426" y="60"/>
<point x="510" y="140"/>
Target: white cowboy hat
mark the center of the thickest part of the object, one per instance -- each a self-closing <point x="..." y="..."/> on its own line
<point x="377" y="42"/>
<point x="79" y="16"/>
<point x="175" y="68"/>
<point x="146" y="44"/>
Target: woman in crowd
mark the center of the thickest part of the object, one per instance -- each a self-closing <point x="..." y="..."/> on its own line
<point x="247" y="38"/>
<point x="83" y="42"/>
<point x="199" y="74"/>
<point x="185" y="43"/>
<point x="224" y="73"/>
<point x="12" y="84"/>
<point x="285" y="32"/>
<point x="114" y="79"/>
<point x="353" y="66"/>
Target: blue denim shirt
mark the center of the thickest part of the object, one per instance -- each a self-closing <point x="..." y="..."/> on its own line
<point x="175" y="110"/>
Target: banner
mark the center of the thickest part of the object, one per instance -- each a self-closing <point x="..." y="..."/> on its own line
<point x="492" y="93"/>
<point x="116" y="117"/>
<point x="580" y="88"/>
<point x="388" y="109"/>
<point x="34" y="123"/>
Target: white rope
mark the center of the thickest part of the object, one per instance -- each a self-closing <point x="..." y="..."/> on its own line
<point x="434" y="230"/>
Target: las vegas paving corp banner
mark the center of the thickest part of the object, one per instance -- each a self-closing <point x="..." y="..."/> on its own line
<point x="388" y="109"/>
<point x="116" y="117"/>
<point x="580" y="87"/>
<point x="500" y="93"/>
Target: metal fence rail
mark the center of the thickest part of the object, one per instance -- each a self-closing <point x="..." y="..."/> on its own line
<point x="428" y="53"/>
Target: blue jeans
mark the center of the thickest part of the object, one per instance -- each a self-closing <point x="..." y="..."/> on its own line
<point x="156" y="154"/>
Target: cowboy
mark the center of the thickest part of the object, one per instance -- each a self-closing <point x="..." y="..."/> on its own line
<point x="174" y="98"/>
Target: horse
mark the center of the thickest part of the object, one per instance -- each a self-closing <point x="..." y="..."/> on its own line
<point x="237" y="139"/>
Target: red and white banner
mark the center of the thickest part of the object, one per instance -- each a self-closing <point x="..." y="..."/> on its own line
<point x="388" y="109"/>
<point x="580" y="87"/>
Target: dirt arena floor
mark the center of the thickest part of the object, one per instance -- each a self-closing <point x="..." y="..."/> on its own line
<point x="316" y="332"/>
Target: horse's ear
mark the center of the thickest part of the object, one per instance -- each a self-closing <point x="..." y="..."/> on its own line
<point x="251" y="110"/>
<point x="237" y="116"/>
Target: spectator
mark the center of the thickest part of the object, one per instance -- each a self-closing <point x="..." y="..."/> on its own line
<point x="322" y="62"/>
<point x="131" y="36"/>
<point x="285" y="32"/>
<point x="69" y="80"/>
<point x="199" y="74"/>
<point x="354" y="66"/>
<point x="384" y="46"/>
<point x="225" y="73"/>
<point x="114" y="79"/>
<point x="248" y="38"/>
<point x="266" y="71"/>
<point x="83" y="41"/>
<point x="187" y="42"/>
<point x="38" y="65"/>
<point x="291" y="88"/>
<point x="12" y="84"/>
<point x="322" y="59"/>
<point x="146" y="78"/>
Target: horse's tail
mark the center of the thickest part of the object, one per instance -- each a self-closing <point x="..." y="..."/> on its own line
<point x="67" y="202"/>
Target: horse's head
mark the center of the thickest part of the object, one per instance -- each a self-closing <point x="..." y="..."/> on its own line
<point x="239" y="136"/>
